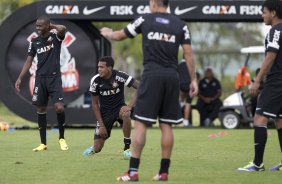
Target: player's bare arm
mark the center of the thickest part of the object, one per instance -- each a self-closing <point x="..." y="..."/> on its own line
<point x="97" y="112"/>
<point x="266" y="65"/>
<point x="188" y="54"/>
<point x="25" y="69"/>
<point x="61" y="29"/>
<point x="113" y="35"/>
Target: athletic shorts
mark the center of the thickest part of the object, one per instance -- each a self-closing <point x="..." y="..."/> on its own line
<point x="185" y="96"/>
<point x="46" y="87"/>
<point x="269" y="102"/>
<point x="109" y="118"/>
<point x="158" y="97"/>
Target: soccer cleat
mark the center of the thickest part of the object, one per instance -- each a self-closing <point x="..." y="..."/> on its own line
<point x="277" y="168"/>
<point x="126" y="177"/>
<point x="89" y="151"/>
<point x="63" y="145"/>
<point x="127" y="154"/>
<point x="161" y="177"/>
<point x="41" y="147"/>
<point x="252" y="167"/>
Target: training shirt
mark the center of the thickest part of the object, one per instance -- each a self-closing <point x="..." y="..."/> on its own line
<point x="209" y="88"/>
<point x="162" y="34"/>
<point x="184" y="77"/>
<point x="273" y="43"/>
<point x="111" y="91"/>
<point x="48" y="54"/>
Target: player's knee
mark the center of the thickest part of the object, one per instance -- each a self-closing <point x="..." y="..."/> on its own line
<point x="59" y="108"/>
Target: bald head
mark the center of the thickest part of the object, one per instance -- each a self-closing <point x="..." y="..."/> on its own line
<point x="44" y="18"/>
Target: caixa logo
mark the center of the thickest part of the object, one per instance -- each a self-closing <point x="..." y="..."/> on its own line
<point x="70" y="75"/>
<point x="62" y="9"/>
<point x="219" y="10"/>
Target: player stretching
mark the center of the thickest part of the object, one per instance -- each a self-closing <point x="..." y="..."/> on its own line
<point x="269" y="103"/>
<point x="48" y="82"/>
<point x="158" y="94"/>
<point x="108" y="104"/>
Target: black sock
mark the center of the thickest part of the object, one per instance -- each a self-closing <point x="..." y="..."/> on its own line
<point x="260" y="138"/>
<point x="164" y="165"/>
<point x="134" y="164"/>
<point x="127" y="142"/>
<point x="280" y="137"/>
<point x="42" y="124"/>
<point x="61" y="124"/>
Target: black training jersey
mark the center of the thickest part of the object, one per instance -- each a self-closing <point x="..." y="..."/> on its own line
<point x="48" y="54"/>
<point x="184" y="76"/>
<point x="110" y="91"/>
<point x="162" y="33"/>
<point x="209" y="88"/>
<point x="273" y="43"/>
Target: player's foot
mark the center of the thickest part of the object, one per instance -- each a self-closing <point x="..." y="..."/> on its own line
<point x="63" y="145"/>
<point x="41" y="147"/>
<point x="252" y="167"/>
<point x="126" y="177"/>
<point x="127" y="154"/>
<point x="277" y="168"/>
<point x="89" y="151"/>
<point x="161" y="177"/>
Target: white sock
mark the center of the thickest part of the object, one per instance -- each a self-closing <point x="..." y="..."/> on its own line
<point x="185" y="122"/>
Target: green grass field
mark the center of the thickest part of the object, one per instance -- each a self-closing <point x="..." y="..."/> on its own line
<point x="196" y="158"/>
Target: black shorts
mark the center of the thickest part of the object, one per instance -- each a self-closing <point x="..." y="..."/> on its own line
<point x="269" y="102"/>
<point x="109" y="118"/>
<point x="158" y="97"/>
<point x="46" y="87"/>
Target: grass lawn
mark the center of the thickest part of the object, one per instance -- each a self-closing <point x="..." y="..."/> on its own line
<point x="196" y="158"/>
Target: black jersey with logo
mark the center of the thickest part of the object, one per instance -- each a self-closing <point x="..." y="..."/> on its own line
<point x="184" y="76"/>
<point x="209" y="88"/>
<point x="162" y="33"/>
<point x="273" y="43"/>
<point x="47" y="51"/>
<point x="111" y="91"/>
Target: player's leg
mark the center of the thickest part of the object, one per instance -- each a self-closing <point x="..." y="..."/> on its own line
<point x="187" y="111"/>
<point x="278" y="123"/>
<point x="40" y="100"/>
<point x="55" y="91"/>
<point x="124" y="115"/>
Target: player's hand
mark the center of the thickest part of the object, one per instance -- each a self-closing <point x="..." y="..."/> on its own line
<point x="106" y="32"/>
<point x="103" y="132"/>
<point x="193" y="89"/>
<point x="254" y="88"/>
<point x="18" y="84"/>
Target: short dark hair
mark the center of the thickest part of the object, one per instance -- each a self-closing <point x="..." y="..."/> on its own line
<point x="163" y="3"/>
<point x="108" y="59"/>
<point x="274" y="5"/>
<point x="45" y="18"/>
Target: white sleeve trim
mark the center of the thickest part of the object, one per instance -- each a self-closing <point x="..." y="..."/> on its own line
<point x="273" y="45"/>
<point x="128" y="80"/>
<point x="131" y="29"/>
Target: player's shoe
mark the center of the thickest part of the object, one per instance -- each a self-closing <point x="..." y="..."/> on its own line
<point x="277" y="168"/>
<point x="63" y="145"/>
<point x="41" y="147"/>
<point x="161" y="177"/>
<point x="127" y="154"/>
<point x="252" y="167"/>
<point x="126" y="177"/>
<point x="89" y="151"/>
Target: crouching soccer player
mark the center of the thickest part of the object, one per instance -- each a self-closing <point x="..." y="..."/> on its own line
<point x="107" y="88"/>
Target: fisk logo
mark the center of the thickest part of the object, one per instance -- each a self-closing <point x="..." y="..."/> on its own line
<point x="219" y="10"/>
<point x="69" y="73"/>
<point x="62" y="9"/>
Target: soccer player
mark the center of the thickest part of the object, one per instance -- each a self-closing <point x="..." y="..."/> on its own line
<point x="48" y="82"/>
<point x="269" y="103"/>
<point x="107" y="88"/>
<point x="184" y="92"/>
<point x="158" y="95"/>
